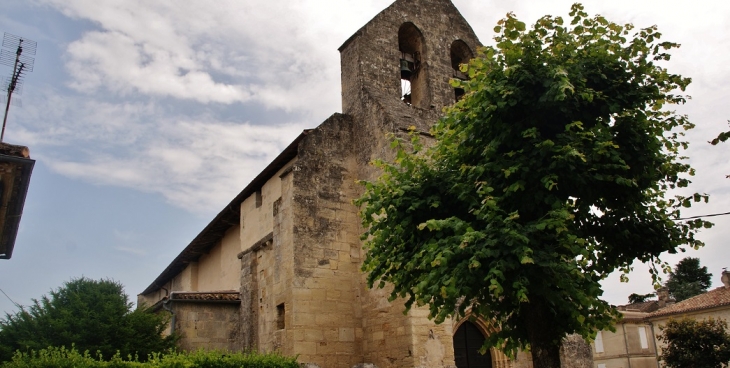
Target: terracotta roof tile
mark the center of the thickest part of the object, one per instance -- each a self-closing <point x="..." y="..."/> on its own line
<point x="714" y="298"/>
<point x="645" y="307"/>
<point x="223" y="296"/>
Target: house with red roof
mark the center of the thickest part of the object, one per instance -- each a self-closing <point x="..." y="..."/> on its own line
<point x="635" y="341"/>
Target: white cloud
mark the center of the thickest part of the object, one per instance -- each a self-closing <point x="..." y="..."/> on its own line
<point x="114" y="60"/>
<point x="195" y="162"/>
<point x="279" y="54"/>
<point x="195" y="165"/>
<point x="200" y="168"/>
<point x="53" y="118"/>
<point x="270" y="52"/>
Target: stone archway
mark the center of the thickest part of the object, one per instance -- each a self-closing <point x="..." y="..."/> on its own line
<point x="468" y="339"/>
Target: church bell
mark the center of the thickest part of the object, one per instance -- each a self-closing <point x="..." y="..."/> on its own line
<point x="406" y="69"/>
<point x="407" y="66"/>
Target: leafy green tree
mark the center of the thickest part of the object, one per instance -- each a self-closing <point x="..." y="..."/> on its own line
<point x="88" y="314"/>
<point x="549" y="174"/>
<point x="691" y="343"/>
<point x="688" y="279"/>
<point x="640" y="298"/>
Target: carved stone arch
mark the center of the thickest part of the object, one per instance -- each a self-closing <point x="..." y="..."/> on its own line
<point x="460" y="53"/>
<point x="414" y="83"/>
<point x="498" y="359"/>
<point x="484" y="327"/>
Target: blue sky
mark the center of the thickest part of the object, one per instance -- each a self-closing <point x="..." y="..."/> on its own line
<point x="147" y="117"/>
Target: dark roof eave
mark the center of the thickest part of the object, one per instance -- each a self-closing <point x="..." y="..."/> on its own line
<point x="229" y="216"/>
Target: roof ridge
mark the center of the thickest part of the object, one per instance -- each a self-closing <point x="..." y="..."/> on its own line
<point x="715" y="298"/>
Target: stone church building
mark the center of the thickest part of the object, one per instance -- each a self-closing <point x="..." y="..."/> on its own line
<point x="279" y="267"/>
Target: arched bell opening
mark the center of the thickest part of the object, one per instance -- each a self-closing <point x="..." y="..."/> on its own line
<point x="468" y="339"/>
<point x="460" y="54"/>
<point x="414" y="88"/>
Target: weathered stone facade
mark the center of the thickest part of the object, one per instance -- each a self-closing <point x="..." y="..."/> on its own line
<point x="295" y="230"/>
<point x="576" y="353"/>
<point x="209" y="325"/>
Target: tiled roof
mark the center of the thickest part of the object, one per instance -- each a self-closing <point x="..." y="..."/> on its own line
<point x="215" y="296"/>
<point x="645" y="307"/>
<point x="712" y="299"/>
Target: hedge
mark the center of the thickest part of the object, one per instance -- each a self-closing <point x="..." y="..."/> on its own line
<point x="65" y="358"/>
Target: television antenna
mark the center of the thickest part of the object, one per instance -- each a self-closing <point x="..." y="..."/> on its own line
<point x="15" y="53"/>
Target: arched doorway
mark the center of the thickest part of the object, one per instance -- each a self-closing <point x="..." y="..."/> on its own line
<point x="467" y="342"/>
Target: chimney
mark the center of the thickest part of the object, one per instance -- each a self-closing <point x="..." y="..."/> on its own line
<point x="726" y="278"/>
<point x="663" y="294"/>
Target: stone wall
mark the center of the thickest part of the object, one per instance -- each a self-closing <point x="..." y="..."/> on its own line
<point x="207" y="325"/>
<point x="623" y="347"/>
<point x="370" y="59"/>
<point x="371" y="95"/>
<point x="576" y="353"/>
<point x="266" y="264"/>
<point x="249" y="301"/>
<point x="280" y="262"/>
<point x="326" y="323"/>
<point x="217" y="270"/>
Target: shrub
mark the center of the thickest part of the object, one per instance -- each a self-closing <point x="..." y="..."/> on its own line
<point x="93" y="315"/>
<point x="61" y="357"/>
<point x="692" y="343"/>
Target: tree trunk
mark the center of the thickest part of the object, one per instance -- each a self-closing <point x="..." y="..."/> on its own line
<point x="545" y="350"/>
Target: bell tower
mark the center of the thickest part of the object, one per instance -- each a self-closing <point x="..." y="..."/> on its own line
<point x="402" y="61"/>
<point x="395" y="75"/>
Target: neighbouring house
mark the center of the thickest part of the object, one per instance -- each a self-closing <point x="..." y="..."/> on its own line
<point x="714" y="303"/>
<point x="635" y="343"/>
<point x="632" y="345"/>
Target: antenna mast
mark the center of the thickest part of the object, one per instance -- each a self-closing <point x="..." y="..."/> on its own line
<point x="20" y="63"/>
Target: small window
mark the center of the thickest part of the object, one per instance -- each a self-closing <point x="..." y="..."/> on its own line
<point x="280" y="317"/>
<point x="642" y="338"/>
<point x="460" y="54"/>
<point x="259" y="198"/>
<point x="599" y="342"/>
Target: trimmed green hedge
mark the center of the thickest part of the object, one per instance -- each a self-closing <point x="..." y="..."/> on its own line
<point x="64" y="358"/>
